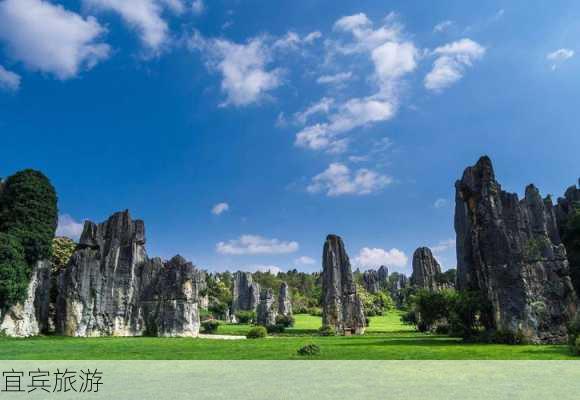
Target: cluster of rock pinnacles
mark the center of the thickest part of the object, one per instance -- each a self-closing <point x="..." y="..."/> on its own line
<point x="508" y="249"/>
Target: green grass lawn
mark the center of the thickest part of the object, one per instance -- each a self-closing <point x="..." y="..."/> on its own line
<point x="387" y="339"/>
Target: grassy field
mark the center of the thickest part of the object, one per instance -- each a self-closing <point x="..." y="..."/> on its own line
<point x="387" y="339"/>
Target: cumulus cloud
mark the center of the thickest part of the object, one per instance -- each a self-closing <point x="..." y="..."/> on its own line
<point x="451" y="62"/>
<point x="69" y="227"/>
<point x="375" y="257"/>
<point x="321" y="107"/>
<point x="254" y="244"/>
<point x="304" y="261"/>
<point x="220" y="208"/>
<point x="293" y="41"/>
<point x="392" y="57"/>
<point x="338" y="180"/>
<point x="144" y="16"/>
<point x="559" y="56"/>
<point x="246" y="78"/>
<point x="48" y="38"/>
<point x="273" y="269"/>
<point x="198" y="6"/>
<point x="9" y="80"/>
<point x="336" y="79"/>
<point x="440" y="203"/>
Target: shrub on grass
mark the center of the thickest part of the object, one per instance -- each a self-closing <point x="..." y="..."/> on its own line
<point x="326" y="331"/>
<point x="315" y="311"/>
<point x="574" y="335"/>
<point x="257" y="332"/>
<point x="309" y="350"/>
<point x="285" y="320"/>
<point x="277" y="328"/>
<point x="246" y="317"/>
<point x="210" y="326"/>
<point x="508" y="337"/>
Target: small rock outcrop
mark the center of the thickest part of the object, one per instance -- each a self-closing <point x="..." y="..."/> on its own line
<point x="342" y="308"/>
<point x="31" y="317"/>
<point x="426" y="269"/>
<point x="246" y="294"/>
<point x="510" y="251"/>
<point x="266" y="311"/>
<point x="111" y="287"/>
<point x="284" y="300"/>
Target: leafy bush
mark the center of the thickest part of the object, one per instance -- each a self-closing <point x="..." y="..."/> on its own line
<point x="246" y="317"/>
<point x="278" y="328"/>
<point x="467" y="311"/>
<point x="508" y="337"/>
<point x="14" y="272"/>
<point x="574" y="335"/>
<point x="285" y="320"/>
<point x="257" y="332"/>
<point x="62" y="250"/>
<point x="409" y="318"/>
<point x="28" y="211"/>
<point x="326" y="331"/>
<point x="431" y="307"/>
<point x="315" y="311"/>
<point x="210" y="326"/>
<point x="309" y="350"/>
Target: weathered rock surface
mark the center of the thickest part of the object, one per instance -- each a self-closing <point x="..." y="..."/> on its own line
<point x="342" y="308"/>
<point x="565" y="209"/>
<point x="266" y="311"/>
<point x="565" y="204"/>
<point x="371" y="281"/>
<point x="397" y="286"/>
<point x="246" y="293"/>
<point x="510" y="250"/>
<point x="111" y="287"/>
<point x="31" y="317"/>
<point x="426" y="269"/>
<point x="284" y="300"/>
<point x="383" y="272"/>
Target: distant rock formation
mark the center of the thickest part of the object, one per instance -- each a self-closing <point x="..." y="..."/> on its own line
<point x="111" y="287"/>
<point x="31" y="317"/>
<point x="246" y="293"/>
<point x="383" y="277"/>
<point x="342" y="308"/>
<point x="426" y="269"/>
<point x="371" y="282"/>
<point x="397" y="286"/>
<point x="284" y="300"/>
<point x="266" y="311"/>
<point x="510" y="250"/>
<point x="564" y="212"/>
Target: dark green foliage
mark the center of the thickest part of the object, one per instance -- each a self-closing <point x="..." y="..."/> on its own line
<point x="409" y="318"/>
<point x="315" y="311"/>
<point x="210" y="326"/>
<point x="326" y="331"/>
<point x="278" y="328"/>
<point x="14" y="272"/>
<point x="28" y="211"/>
<point x="431" y="307"/>
<point x="574" y="335"/>
<point x="466" y="311"/>
<point x="309" y="350"/>
<point x="257" y="332"/>
<point x="571" y="239"/>
<point x="508" y="337"/>
<point x="447" y="278"/>
<point x="285" y="320"/>
<point x="246" y="317"/>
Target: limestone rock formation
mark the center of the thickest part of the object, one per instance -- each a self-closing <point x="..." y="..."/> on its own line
<point x="266" y="311"/>
<point x="246" y="293"/>
<point x="397" y="286"/>
<point x="111" y="287"/>
<point x="510" y="250"/>
<point x="342" y="308"/>
<point x="383" y="272"/>
<point x="371" y="282"/>
<point x="31" y="317"/>
<point x="284" y="300"/>
<point x="425" y="270"/>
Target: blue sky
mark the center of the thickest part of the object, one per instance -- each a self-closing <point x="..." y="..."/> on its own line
<point x="244" y="132"/>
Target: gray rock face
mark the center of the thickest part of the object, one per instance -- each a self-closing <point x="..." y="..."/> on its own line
<point x="425" y="270"/>
<point x="342" y="308"/>
<point x="31" y="317"/>
<point x="111" y="287"/>
<point x="383" y="277"/>
<point x="398" y="283"/>
<point x="266" y="311"/>
<point x="284" y="300"/>
<point x="371" y="281"/>
<point x="246" y="293"/>
<point x="565" y="204"/>
<point x="510" y="250"/>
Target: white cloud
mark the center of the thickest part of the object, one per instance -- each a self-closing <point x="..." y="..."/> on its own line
<point x="335" y="79"/>
<point x="443" y="246"/>
<point x="293" y="41"/>
<point x="392" y="59"/>
<point x="197" y="6"/>
<point x="304" y="261"/>
<point x="440" y="203"/>
<point x="47" y="38"/>
<point x="69" y="227"/>
<point x="144" y="16"/>
<point x="254" y="244"/>
<point x="442" y="26"/>
<point x="245" y="76"/>
<point x="452" y="59"/>
<point x="338" y="180"/>
<point x="375" y="257"/>
<point x="312" y="36"/>
<point x="9" y="80"/>
<point x="220" y="208"/>
<point x="559" y="56"/>
<point x="273" y="269"/>
<point x="321" y="107"/>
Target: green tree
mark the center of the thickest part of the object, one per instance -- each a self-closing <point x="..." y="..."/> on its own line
<point x="28" y="211"/>
<point x="14" y="272"/>
<point x="62" y="250"/>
